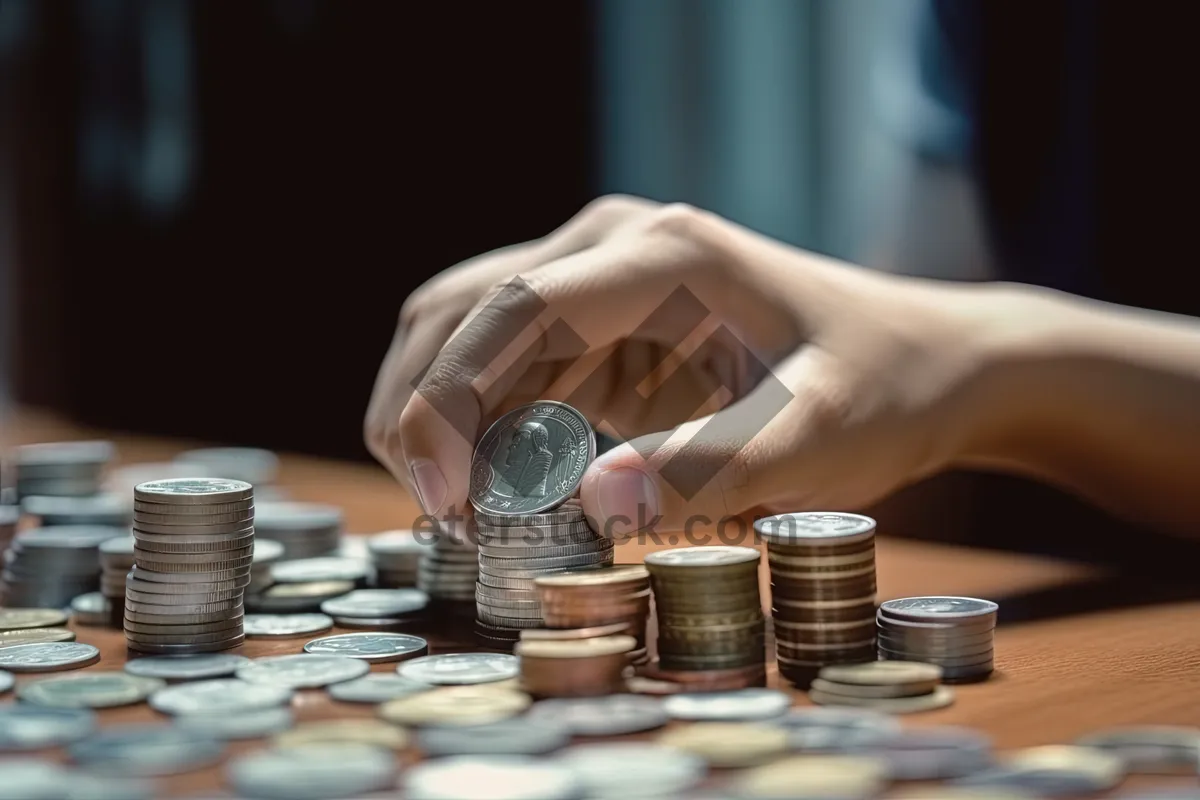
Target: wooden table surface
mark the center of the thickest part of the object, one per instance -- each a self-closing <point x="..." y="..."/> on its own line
<point x="1057" y="677"/>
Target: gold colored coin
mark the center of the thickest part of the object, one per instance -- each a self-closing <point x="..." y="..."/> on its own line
<point x="815" y="776"/>
<point x="1103" y="770"/>
<point x="577" y="648"/>
<point x="35" y="636"/>
<point x="728" y="744"/>
<point x="345" y="731"/>
<point x="12" y="619"/>
<point x="455" y="706"/>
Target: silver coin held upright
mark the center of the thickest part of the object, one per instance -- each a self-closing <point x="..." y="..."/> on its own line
<point x="531" y="459"/>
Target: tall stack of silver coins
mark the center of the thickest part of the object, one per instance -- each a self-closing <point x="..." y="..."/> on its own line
<point x="524" y="476"/>
<point x="822" y="590"/>
<point x="193" y="549"/>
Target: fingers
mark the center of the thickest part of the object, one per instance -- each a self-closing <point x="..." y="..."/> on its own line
<point x="742" y="457"/>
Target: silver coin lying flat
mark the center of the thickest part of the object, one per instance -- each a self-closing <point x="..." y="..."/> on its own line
<point x="146" y="750"/>
<point x="285" y="626"/>
<point x="376" y="687"/>
<point x="374" y="647"/>
<point x="614" y="715"/>
<point x="47" y="656"/>
<point x="96" y="689"/>
<point x="634" y="769"/>
<point x="937" y="608"/>
<point x="376" y="603"/>
<point x="490" y="778"/>
<point x="303" y="671"/>
<point x="518" y="737"/>
<point x="186" y="667"/>
<point x="25" y="727"/>
<point x="313" y="772"/>
<point x="219" y="696"/>
<point x="310" y="570"/>
<point x="741" y="705"/>
<point x="461" y="668"/>
<point x="238" y="725"/>
<point x="531" y="459"/>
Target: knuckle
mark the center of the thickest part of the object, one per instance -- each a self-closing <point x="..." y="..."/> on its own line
<point x="676" y="220"/>
<point x="613" y="208"/>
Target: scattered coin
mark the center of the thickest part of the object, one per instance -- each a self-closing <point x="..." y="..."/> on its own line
<point x="614" y="715"/>
<point x="35" y="636"/>
<point x="941" y="697"/>
<point x="836" y="730"/>
<point x="186" y="667"/>
<point x="22" y="780"/>
<point x="345" y="731"/>
<point x="47" y="656"/>
<point x="312" y="772"/>
<point x="219" y="696"/>
<point x="26" y="727"/>
<point x="1052" y="770"/>
<point x="1151" y="749"/>
<point x="236" y="725"/>
<point x="285" y="626"/>
<point x="12" y="619"/>
<point x="315" y="570"/>
<point x="92" y="608"/>
<point x="728" y="744"/>
<point x="377" y="603"/>
<point x="522" y="737"/>
<point x="376" y="687"/>
<point x="145" y="751"/>
<point x="928" y="754"/>
<point x="738" y="706"/>
<point x="461" y="668"/>
<point x="303" y="671"/>
<point x="634" y="769"/>
<point x="455" y="705"/>
<point x="373" y="647"/>
<point x="490" y="778"/>
<point x="825" y="777"/>
<point x="295" y="598"/>
<point x="93" y="689"/>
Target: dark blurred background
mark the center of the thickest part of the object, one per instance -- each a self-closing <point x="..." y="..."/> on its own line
<point x="211" y="212"/>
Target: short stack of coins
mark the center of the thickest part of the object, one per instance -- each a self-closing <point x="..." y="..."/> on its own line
<point x="106" y="508"/>
<point x="306" y="530"/>
<point x="116" y="560"/>
<point x="708" y="609"/>
<point x="955" y="633"/>
<point x="893" y="687"/>
<point x="266" y="553"/>
<point x="62" y="469"/>
<point x="397" y="557"/>
<point x="447" y="573"/>
<point x="49" y="567"/>
<point x="596" y="600"/>
<point x="822" y="590"/>
<point x="516" y="550"/>
<point x="193" y="548"/>
<point x="574" y="667"/>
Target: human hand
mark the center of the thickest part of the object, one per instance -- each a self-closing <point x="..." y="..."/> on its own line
<point x="790" y="381"/>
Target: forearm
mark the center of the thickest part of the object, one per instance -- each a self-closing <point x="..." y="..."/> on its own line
<point x="1099" y="399"/>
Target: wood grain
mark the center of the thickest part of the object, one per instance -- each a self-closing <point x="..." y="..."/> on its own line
<point x="1104" y="656"/>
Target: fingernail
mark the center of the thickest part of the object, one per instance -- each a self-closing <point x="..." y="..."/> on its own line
<point x="431" y="486"/>
<point x="627" y="499"/>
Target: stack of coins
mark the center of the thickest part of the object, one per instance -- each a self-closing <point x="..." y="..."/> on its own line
<point x="62" y="469"/>
<point x="709" y="609"/>
<point x="266" y="553"/>
<point x="822" y="590"/>
<point x="956" y="633"/>
<point x="447" y="573"/>
<point x="516" y="550"/>
<point x="306" y="530"/>
<point x="116" y="559"/>
<point x="193" y="547"/>
<point x="597" y="599"/>
<point x="894" y="687"/>
<point x="48" y="567"/>
<point x="9" y="517"/>
<point x="106" y="508"/>
<point x="397" y="557"/>
<point x="574" y="668"/>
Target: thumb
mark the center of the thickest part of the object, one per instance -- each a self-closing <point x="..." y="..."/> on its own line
<point x="702" y="471"/>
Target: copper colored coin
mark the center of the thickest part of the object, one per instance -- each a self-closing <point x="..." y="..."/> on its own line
<point x="615" y="575"/>
<point x="548" y="634"/>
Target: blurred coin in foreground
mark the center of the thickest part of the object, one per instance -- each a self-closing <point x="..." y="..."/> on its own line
<point x="376" y="687"/>
<point x="490" y="778"/>
<point x="373" y="647"/>
<point x="145" y="751"/>
<point x="94" y="689"/>
<point x="24" y="727"/>
<point x="455" y="705"/>
<point x="237" y="725"/>
<point x="47" y="656"/>
<point x="192" y="667"/>
<point x="614" y="715"/>
<point x="633" y="769"/>
<point x="303" y="671"/>
<point x="219" y="696"/>
<point x="312" y="772"/>
<point x="285" y="626"/>
<point x="462" y="668"/>
<point x="509" y="737"/>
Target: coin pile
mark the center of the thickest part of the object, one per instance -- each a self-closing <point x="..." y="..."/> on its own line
<point x="580" y="601"/>
<point x="106" y="508"/>
<point x="708" y="608"/>
<point x="956" y="633"/>
<point x="822" y="590"/>
<point x="447" y="572"/>
<point x="62" y="469"/>
<point x="306" y="530"/>
<point x="574" y="668"/>
<point x="894" y="687"/>
<point x="47" y="567"/>
<point x="516" y="550"/>
<point x="193" y="547"/>
<point x="116" y="559"/>
<point x="397" y="557"/>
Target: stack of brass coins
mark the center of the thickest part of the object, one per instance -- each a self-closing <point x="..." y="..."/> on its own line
<point x="193" y="547"/>
<point x="574" y="667"/>
<point x="822" y="590"/>
<point x="62" y="469"/>
<point x="709" y="609"/>
<point x="397" y="557"/>
<point x="514" y="551"/>
<point x="116" y="559"/>
<point x="306" y="530"/>
<point x="596" y="600"/>
<point x="955" y="633"/>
